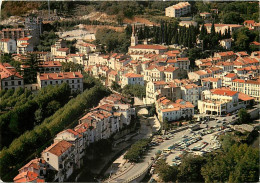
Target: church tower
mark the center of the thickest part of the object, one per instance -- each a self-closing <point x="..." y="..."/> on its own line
<point x="134" y="38"/>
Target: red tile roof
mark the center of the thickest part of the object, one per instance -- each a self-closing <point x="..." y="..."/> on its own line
<point x="63" y="49"/>
<point x="5" y="40"/>
<point x="154" y="47"/>
<point x="58" y="148"/>
<point x="50" y="64"/>
<point x="230" y="75"/>
<point x="133" y="75"/>
<point x="6" y="70"/>
<point x="24" y="39"/>
<point x="62" y="75"/>
<point x="224" y="92"/>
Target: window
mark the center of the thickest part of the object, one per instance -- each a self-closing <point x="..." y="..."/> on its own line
<point x="51" y="82"/>
<point x="19" y="82"/>
<point x="45" y="82"/>
<point x="6" y="83"/>
<point x="12" y="82"/>
<point x="72" y="86"/>
<point x="47" y="159"/>
<point x="12" y="78"/>
<point x="72" y="81"/>
<point x="57" y="82"/>
<point x="47" y="154"/>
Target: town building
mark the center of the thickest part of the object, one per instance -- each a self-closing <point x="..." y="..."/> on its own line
<point x="86" y="48"/>
<point x="177" y="10"/>
<point x="50" y="67"/>
<point x="191" y="93"/>
<point x="248" y="87"/>
<point x="132" y="79"/>
<point x="222" y="101"/>
<point x="172" y="111"/>
<point x="205" y="15"/>
<point x="8" y="46"/>
<point x="74" y="79"/>
<point x="76" y="139"/>
<point x="226" y="43"/>
<point x="210" y="83"/>
<point x="9" y="77"/>
<point x="24" y="45"/>
<point x="14" y="33"/>
<point x="60" y="157"/>
<point x="34" y="171"/>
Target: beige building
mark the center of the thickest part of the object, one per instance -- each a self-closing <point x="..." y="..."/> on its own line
<point x="210" y="83"/>
<point x="8" y="46"/>
<point x="151" y="88"/>
<point x="50" y="67"/>
<point x="222" y="101"/>
<point x="76" y="140"/>
<point x="9" y="77"/>
<point x="86" y="48"/>
<point x="132" y="79"/>
<point x="178" y="10"/>
<point x="60" y="156"/>
<point x="172" y="111"/>
<point x="191" y="93"/>
<point x="24" y="45"/>
<point x="248" y="87"/>
<point x="74" y="79"/>
<point x="226" y="43"/>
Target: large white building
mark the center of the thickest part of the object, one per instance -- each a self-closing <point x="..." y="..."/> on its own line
<point x="132" y="79"/>
<point x="171" y="111"/>
<point x="8" y="46"/>
<point x="74" y="79"/>
<point x="24" y="45"/>
<point x="222" y="101"/>
<point x="249" y="87"/>
<point x="60" y="156"/>
<point x="178" y="10"/>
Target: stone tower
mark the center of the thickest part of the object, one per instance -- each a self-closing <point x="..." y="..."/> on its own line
<point x="134" y="38"/>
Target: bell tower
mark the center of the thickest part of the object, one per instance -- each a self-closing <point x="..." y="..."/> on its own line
<point x="134" y="38"/>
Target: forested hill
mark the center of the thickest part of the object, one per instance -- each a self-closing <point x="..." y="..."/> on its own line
<point x="228" y="12"/>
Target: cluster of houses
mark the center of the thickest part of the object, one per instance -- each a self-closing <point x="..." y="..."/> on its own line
<point x="66" y="153"/>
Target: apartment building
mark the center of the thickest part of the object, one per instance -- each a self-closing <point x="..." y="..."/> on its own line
<point x="224" y="56"/>
<point x="8" y="46"/>
<point x="227" y="79"/>
<point x="172" y="111"/>
<point x="86" y="48"/>
<point x="248" y="87"/>
<point x="222" y="101"/>
<point x="112" y="76"/>
<point x="74" y="79"/>
<point x="34" y="171"/>
<point x="151" y="88"/>
<point x="9" y="77"/>
<point x="197" y="75"/>
<point x="178" y="10"/>
<point x="14" y="33"/>
<point x="132" y="79"/>
<point x="24" y="45"/>
<point x="146" y="49"/>
<point x="210" y="83"/>
<point x="60" y="156"/>
<point x="191" y="93"/>
<point x="76" y="140"/>
<point x="76" y="58"/>
<point x="50" y="67"/>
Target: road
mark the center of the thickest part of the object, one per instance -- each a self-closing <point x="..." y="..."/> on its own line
<point x="130" y="170"/>
<point x="139" y="167"/>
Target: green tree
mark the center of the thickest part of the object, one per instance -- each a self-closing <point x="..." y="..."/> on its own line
<point x="243" y="116"/>
<point x="166" y="172"/>
<point x="190" y="169"/>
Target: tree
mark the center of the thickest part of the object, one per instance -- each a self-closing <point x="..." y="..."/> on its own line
<point x="166" y="172"/>
<point x="243" y="116"/>
<point x="232" y="18"/>
<point x="38" y="116"/>
<point x="190" y="169"/>
<point x="30" y="72"/>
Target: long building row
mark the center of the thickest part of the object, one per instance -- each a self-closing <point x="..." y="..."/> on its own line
<point x="65" y="155"/>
